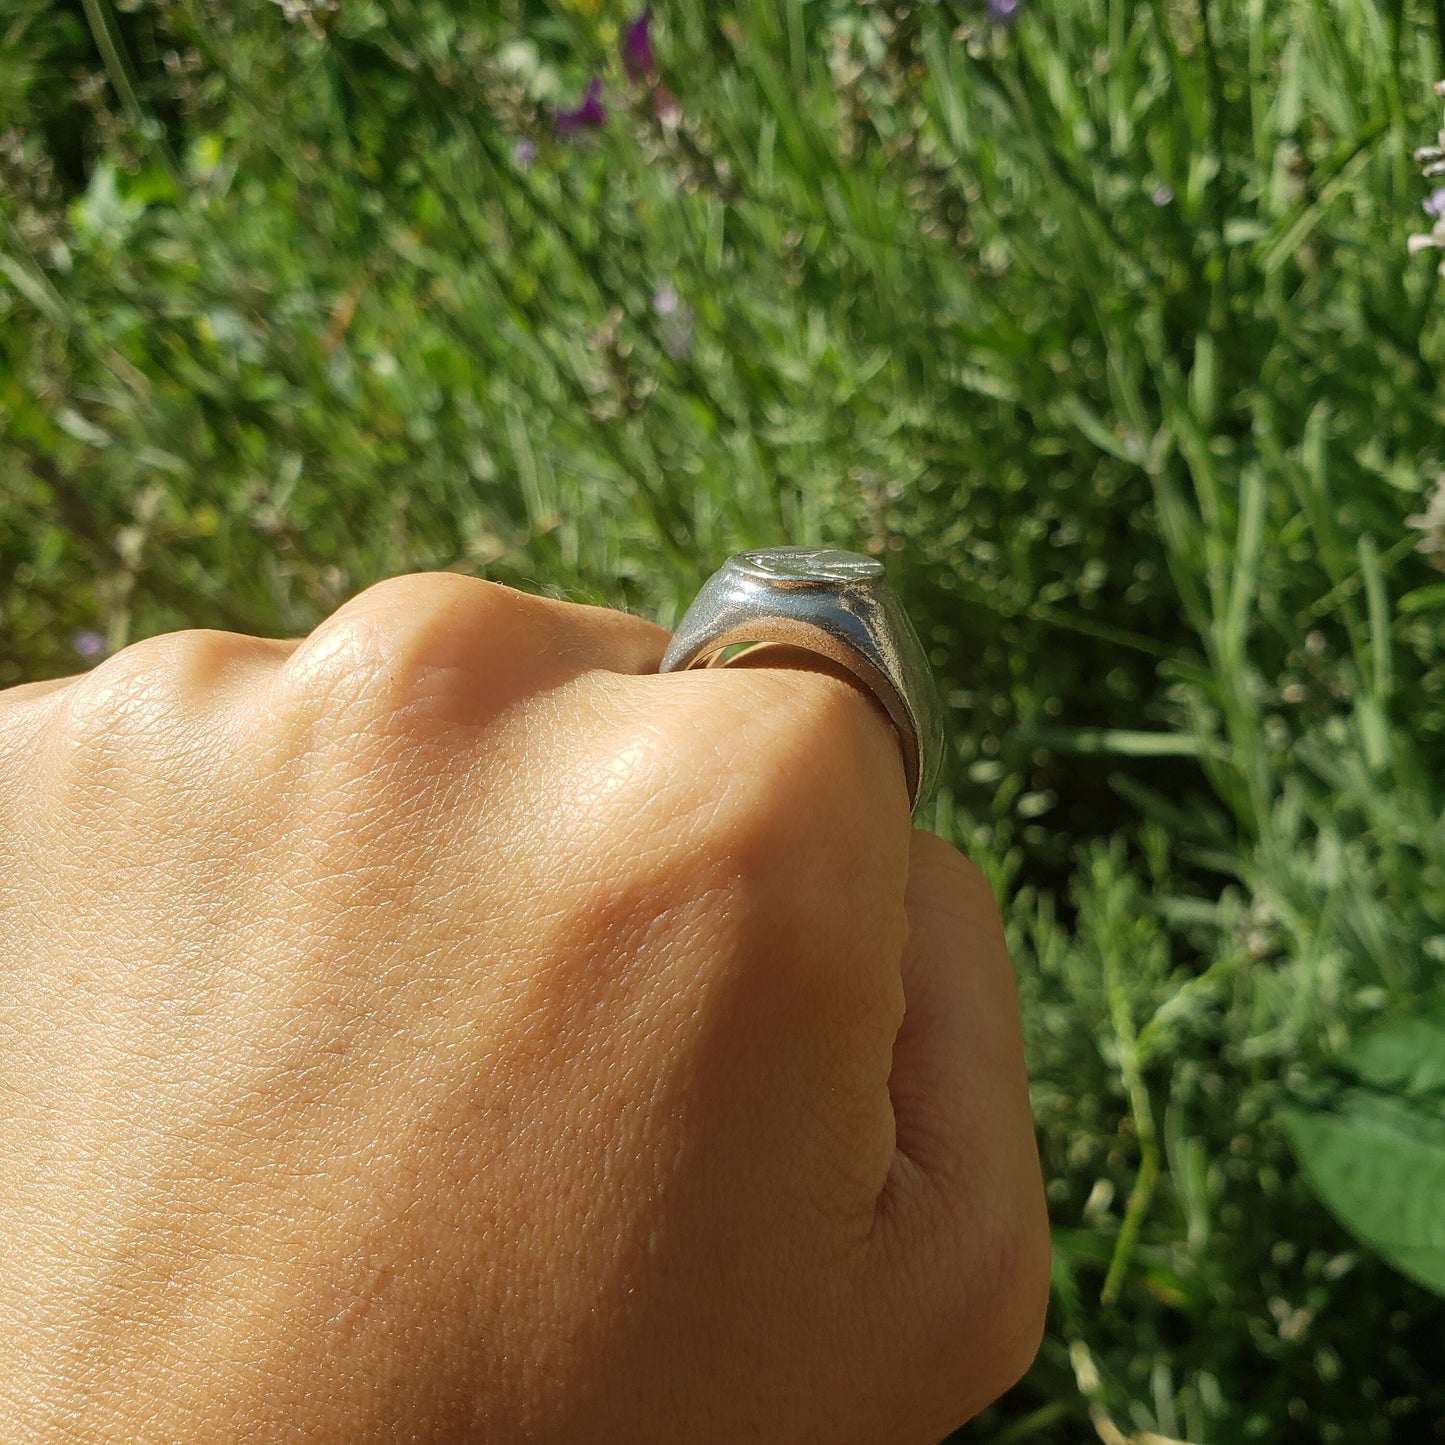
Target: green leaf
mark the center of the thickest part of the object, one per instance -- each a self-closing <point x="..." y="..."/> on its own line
<point x="1424" y="599"/>
<point x="1372" y="1142"/>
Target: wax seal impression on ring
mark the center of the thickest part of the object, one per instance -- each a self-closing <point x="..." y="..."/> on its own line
<point x="812" y="566"/>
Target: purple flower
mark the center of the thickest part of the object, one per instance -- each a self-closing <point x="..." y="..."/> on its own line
<point x="1003" y="12"/>
<point x="1434" y="204"/>
<point x="637" y="57"/>
<point x="524" y="152"/>
<point x="88" y="644"/>
<point x="664" y="300"/>
<point x="587" y="116"/>
<point x="1161" y="195"/>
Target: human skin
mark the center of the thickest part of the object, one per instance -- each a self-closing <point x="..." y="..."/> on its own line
<point x="445" y="1028"/>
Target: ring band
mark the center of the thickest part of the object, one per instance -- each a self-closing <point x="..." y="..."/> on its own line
<point x="836" y="604"/>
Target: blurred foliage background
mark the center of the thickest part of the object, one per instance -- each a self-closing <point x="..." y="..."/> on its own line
<point x="1093" y="318"/>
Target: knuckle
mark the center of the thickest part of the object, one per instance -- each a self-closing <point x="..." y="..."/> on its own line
<point x="139" y="686"/>
<point x="409" y="642"/>
<point x="337" y="658"/>
<point x="413" y="602"/>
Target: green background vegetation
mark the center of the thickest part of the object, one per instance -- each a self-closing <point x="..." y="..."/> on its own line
<point x="1100" y="329"/>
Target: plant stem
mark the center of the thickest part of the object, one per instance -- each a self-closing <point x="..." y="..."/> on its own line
<point x="1143" y="1116"/>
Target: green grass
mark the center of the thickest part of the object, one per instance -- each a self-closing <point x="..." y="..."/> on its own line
<point x="1101" y="331"/>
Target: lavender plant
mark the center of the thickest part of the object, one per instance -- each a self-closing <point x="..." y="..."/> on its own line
<point x="1370" y="1131"/>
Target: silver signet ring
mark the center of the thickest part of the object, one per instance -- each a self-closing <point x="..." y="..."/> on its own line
<point x="836" y="604"/>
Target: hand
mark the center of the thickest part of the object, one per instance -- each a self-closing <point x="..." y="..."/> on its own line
<point x="444" y="1028"/>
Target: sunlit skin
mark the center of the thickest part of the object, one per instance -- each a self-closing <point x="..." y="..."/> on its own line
<point x="443" y="1028"/>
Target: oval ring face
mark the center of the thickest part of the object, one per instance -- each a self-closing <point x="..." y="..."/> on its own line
<point x="818" y="566"/>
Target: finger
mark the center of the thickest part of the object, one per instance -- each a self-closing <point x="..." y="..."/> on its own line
<point x="784" y="785"/>
<point x="959" y="1083"/>
<point x="773" y="655"/>
<point x="966" y="1173"/>
<point x="802" y="758"/>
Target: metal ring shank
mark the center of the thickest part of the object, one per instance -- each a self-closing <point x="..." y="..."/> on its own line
<point x="857" y="624"/>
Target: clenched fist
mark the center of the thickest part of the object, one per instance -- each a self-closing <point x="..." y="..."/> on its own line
<point x="444" y="1028"/>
